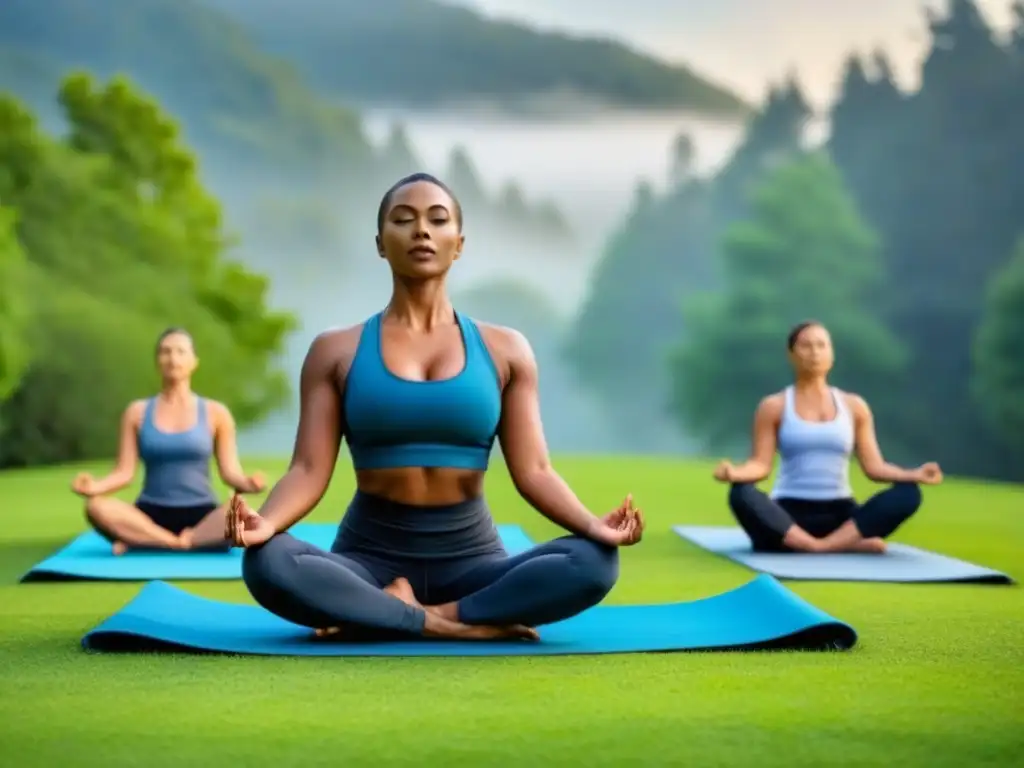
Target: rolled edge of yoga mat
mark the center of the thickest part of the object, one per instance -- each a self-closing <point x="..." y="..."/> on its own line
<point x="759" y="615"/>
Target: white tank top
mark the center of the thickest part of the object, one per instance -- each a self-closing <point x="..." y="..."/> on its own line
<point x="815" y="456"/>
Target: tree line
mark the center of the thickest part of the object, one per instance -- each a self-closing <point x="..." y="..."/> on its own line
<point x="903" y="231"/>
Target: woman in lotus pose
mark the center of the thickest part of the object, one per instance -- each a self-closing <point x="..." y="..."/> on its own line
<point x="175" y="434"/>
<point x="420" y="392"/>
<point x="815" y="428"/>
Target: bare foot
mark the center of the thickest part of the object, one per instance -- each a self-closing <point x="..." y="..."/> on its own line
<point x="510" y="632"/>
<point x="873" y="546"/>
<point x="185" y="539"/>
<point x="119" y="548"/>
<point x="443" y="621"/>
<point x="447" y="611"/>
<point x="328" y="632"/>
<point x="402" y="589"/>
<point x="439" y="626"/>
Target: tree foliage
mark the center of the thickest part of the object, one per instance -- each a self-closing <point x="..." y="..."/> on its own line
<point x="246" y="106"/>
<point x="938" y="173"/>
<point x="999" y="353"/>
<point x="938" y="177"/>
<point x="804" y="252"/>
<point x="14" y="308"/>
<point x="122" y="240"/>
<point x="665" y="254"/>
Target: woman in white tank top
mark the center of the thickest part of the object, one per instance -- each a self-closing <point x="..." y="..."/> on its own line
<point x="815" y="429"/>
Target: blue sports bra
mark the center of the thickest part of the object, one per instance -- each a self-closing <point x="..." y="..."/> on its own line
<point x="395" y="422"/>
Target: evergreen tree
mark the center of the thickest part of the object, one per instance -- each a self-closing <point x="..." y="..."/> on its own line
<point x="14" y="307"/>
<point x="681" y="161"/>
<point x="464" y="179"/>
<point x="804" y="253"/>
<point x="938" y="175"/>
<point x="665" y="252"/>
<point x="397" y="156"/>
<point x="958" y="218"/>
<point x="999" y="357"/>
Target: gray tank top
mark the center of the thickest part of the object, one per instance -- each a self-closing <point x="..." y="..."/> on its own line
<point x="815" y="456"/>
<point x="177" y="464"/>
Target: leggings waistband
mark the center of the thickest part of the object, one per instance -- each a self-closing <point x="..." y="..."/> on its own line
<point x="391" y="529"/>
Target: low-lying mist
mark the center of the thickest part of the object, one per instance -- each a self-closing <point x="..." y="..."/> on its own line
<point x="318" y="249"/>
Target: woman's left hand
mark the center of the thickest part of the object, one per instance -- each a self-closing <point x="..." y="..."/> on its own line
<point x="254" y="483"/>
<point x="623" y="526"/>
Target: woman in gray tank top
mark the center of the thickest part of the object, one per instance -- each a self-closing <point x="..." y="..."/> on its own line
<point x="174" y="434"/>
<point x="815" y="428"/>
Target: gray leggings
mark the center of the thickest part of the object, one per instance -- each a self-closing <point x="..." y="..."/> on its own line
<point x="311" y="587"/>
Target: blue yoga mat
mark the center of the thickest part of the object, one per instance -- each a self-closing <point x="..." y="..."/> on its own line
<point x="761" y="614"/>
<point x="89" y="557"/>
<point x="902" y="563"/>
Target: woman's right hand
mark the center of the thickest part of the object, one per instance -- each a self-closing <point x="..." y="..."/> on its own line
<point x="243" y="527"/>
<point x="928" y="474"/>
<point x="724" y="471"/>
<point x="84" y="485"/>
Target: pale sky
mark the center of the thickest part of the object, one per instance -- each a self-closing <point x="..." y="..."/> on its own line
<point x="746" y="43"/>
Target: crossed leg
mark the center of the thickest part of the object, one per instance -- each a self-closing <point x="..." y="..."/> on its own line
<point x="128" y="527"/>
<point x="324" y="590"/>
<point x="549" y="583"/>
<point x="209" y="532"/>
<point x="345" y="594"/>
<point x="864" y="529"/>
<point x="488" y="598"/>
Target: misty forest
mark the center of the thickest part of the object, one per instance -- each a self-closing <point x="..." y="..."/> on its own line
<point x="227" y="179"/>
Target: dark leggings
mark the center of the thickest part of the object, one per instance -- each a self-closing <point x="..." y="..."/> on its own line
<point x="766" y="520"/>
<point x="315" y="588"/>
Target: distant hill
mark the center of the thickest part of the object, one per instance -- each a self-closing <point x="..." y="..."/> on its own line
<point x="298" y="179"/>
<point x="263" y="134"/>
<point x="239" y="104"/>
<point x="425" y="53"/>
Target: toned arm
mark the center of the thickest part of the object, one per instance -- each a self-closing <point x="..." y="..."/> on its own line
<point x="127" y="452"/>
<point x="318" y="438"/>
<point x="869" y="454"/>
<point x="523" y="444"/>
<point x="762" y="455"/>
<point x="226" y="442"/>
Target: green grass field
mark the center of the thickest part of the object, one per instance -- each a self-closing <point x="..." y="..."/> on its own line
<point x="937" y="677"/>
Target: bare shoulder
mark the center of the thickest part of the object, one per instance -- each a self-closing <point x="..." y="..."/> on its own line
<point x="510" y="349"/>
<point x="857" y="404"/>
<point x="218" y="412"/>
<point x="334" y="349"/>
<point x="508" y="342"/>
<point x="771" y="406"/>
<point x="135" y="410"/>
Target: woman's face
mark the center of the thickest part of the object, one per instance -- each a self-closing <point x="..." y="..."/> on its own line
<point x="176" y="357"/>
<point x="421" y="236"/>
<point x="812" y="353"/>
